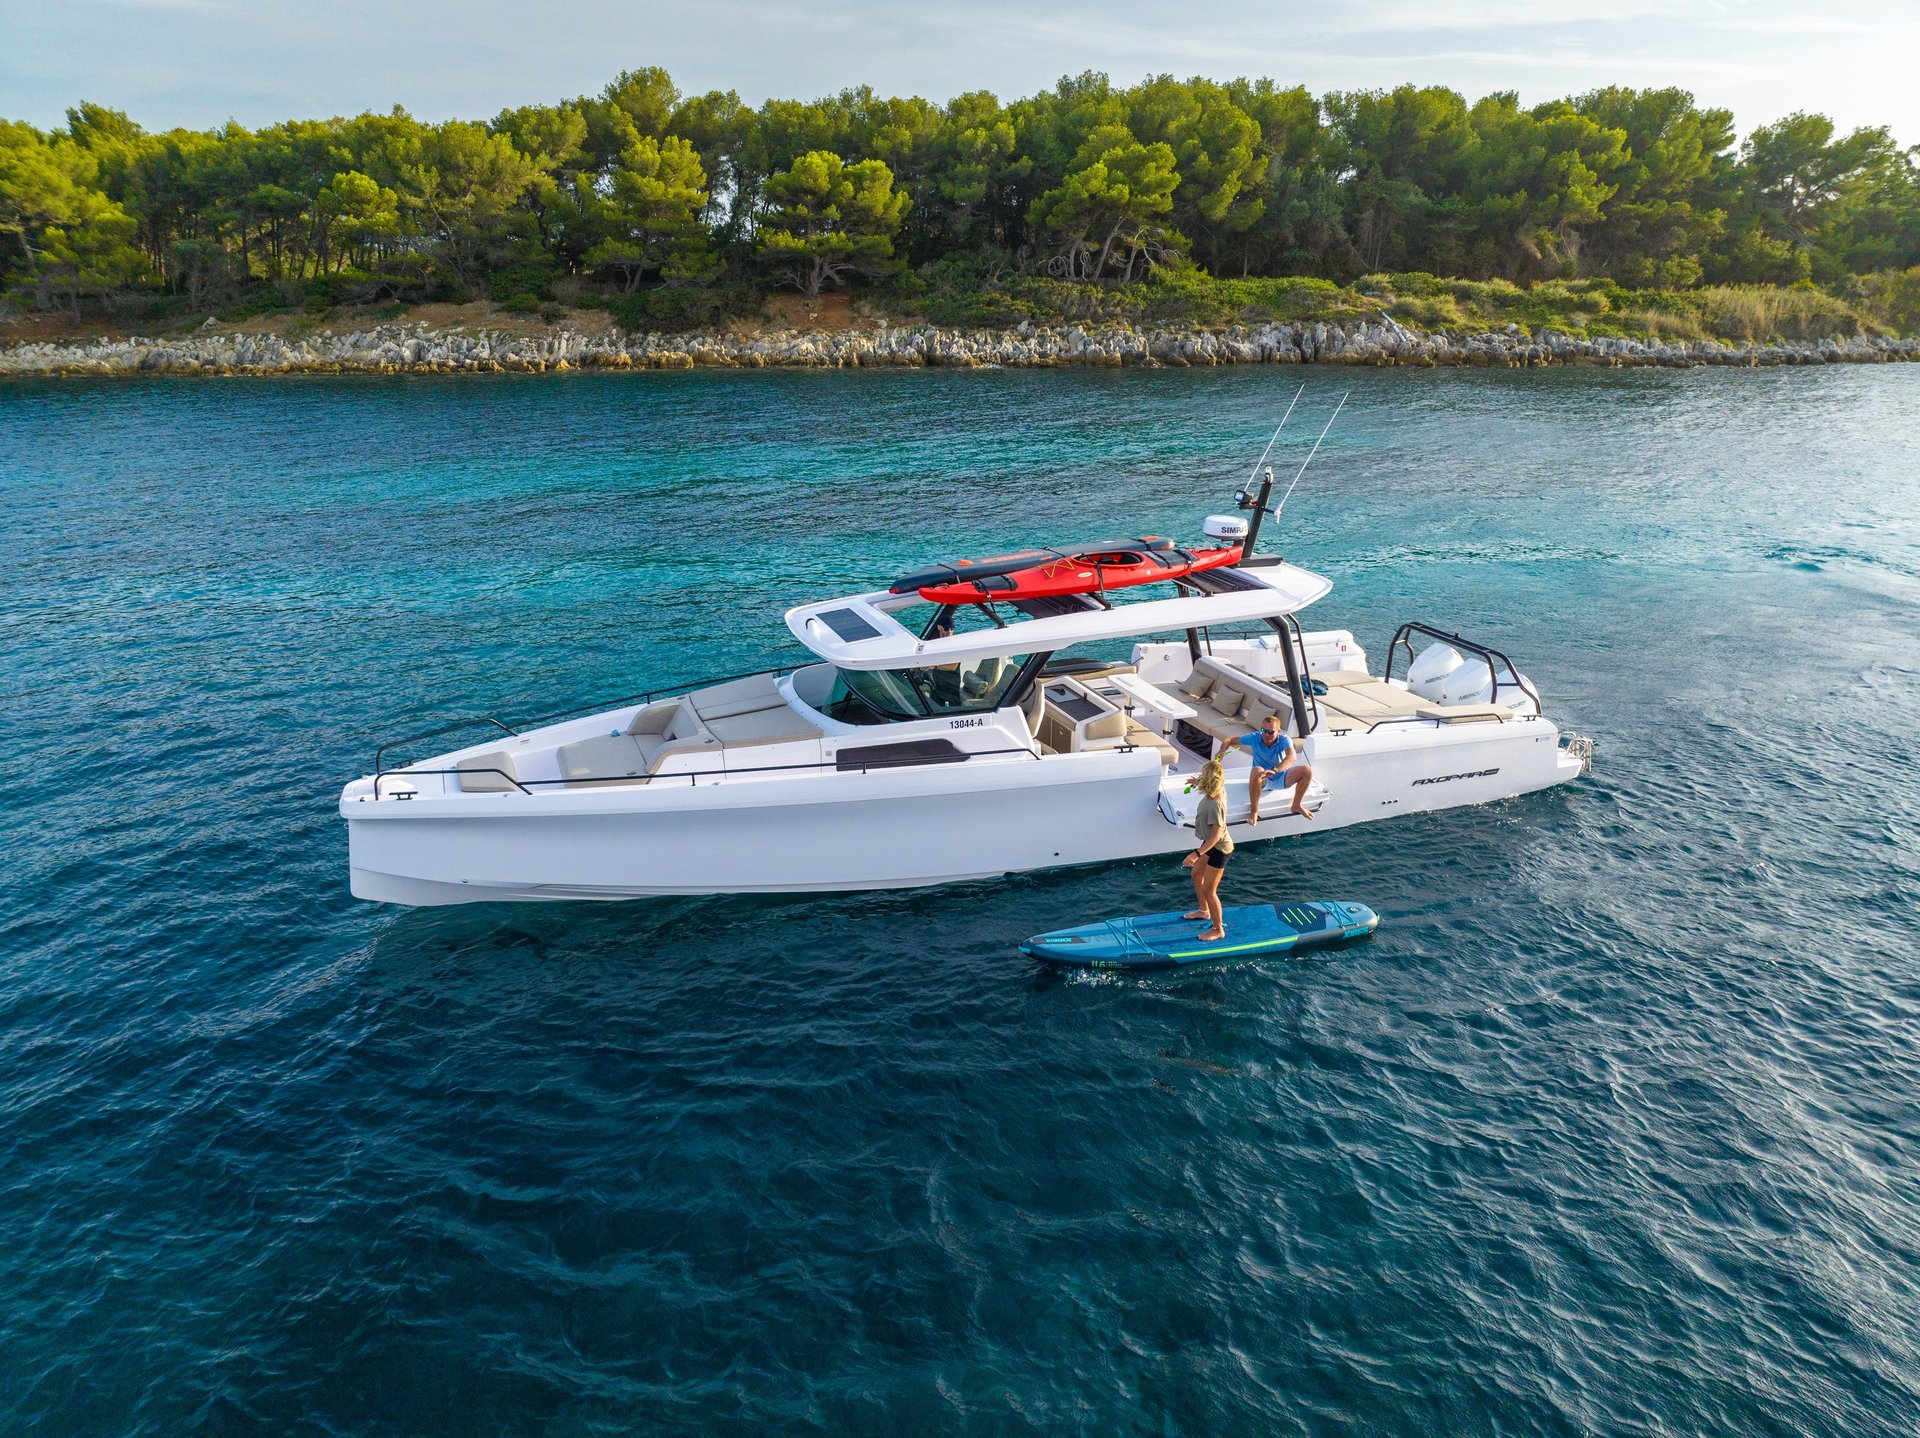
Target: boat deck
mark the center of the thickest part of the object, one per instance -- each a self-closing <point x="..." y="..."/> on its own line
<point x="745" y="727"/>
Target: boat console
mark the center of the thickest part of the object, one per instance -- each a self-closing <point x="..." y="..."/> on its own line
<point x="1093" y="714"/>
<point x="1078" y="718"/>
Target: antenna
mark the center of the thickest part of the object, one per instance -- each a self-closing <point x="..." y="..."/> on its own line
<point x="1270" y="443"/>
<point x="1310" y="454"/>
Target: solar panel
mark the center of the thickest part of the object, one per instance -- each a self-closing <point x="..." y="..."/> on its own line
<point x="848" y="624"/>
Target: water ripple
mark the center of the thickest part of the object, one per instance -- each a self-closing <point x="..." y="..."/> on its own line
<point x="1610" y="1129"/>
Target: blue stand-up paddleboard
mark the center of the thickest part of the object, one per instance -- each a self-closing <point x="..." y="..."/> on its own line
<point x="1159" y="941"/>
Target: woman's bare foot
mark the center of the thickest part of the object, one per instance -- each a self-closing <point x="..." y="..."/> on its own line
<point x="1211" y="934"/>
<point x="1193" y="916"/>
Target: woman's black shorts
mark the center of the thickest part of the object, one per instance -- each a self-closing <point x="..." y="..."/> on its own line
<point x="1217" y="858"/>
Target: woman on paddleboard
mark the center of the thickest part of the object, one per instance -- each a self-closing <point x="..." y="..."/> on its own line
<point x="1209" y="861"/>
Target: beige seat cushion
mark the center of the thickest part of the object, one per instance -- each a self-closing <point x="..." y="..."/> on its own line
<point x="736" y="696"/>
<point x="761" y="726"/>
<point x="1362" y="702"/>
<point x="1238" y="701"/>
<point x="1197" y="685"/>
<point x="608" y="758"/>
<point x="1034" y="708"/>
<point x="1106" y="735"/>
<point x="1466" y="713"/>
<point x="630" y="757"/>
<point x="1255" y="707"/>
<point x="488" y="774"/>
<point x="1212" y="722"/>
<point x="686" y="727"/>
<point x="685" y="735"/>
<point x="655" y="718"/>
<point x="1372" y="699"/>
<point x="982" y="676"/>
<point x="1140" y="734"/>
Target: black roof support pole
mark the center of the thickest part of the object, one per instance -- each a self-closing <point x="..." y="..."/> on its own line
<point x="1294" y="687"/>
<point x="1260" y="511"/>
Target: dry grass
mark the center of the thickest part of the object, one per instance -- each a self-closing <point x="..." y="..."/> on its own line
<point x="1739" y="313"/>
<point x="1665" y="325"/>
<point x="1765" y="312"/>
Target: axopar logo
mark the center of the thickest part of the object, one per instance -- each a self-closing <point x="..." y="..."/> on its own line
<point x="1449" y="778"/>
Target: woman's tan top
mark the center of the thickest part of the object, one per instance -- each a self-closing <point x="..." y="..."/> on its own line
<point x="1211" y="815"/>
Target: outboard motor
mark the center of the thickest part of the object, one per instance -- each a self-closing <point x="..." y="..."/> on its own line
<point x="1428" y="672"/>
<point x="1471" y="682"/>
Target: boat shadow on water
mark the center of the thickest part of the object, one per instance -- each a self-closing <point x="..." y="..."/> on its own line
<point x="973" y="928"/>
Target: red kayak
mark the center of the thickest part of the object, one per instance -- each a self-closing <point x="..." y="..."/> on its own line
<point x="1146" y="561"/>
<point x="969" y="569"/>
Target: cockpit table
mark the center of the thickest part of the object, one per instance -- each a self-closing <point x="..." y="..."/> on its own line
<point x="1146" y="695"/>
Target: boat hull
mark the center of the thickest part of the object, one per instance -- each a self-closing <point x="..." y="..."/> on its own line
<point x="890" y="829"/>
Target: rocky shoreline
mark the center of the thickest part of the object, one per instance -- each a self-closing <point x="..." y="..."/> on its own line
<point x="407" y="349"/>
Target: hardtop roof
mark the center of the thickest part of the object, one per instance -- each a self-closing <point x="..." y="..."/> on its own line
<point x="860" y="631"/>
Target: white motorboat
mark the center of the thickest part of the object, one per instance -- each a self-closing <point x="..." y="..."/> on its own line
<point x="928" y="743"/>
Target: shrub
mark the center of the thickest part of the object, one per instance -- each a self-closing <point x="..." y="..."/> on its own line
<point x="680" y="308"/>
<point x="1438" y="312"/>
<point x="1655" y="323"/>
<point x="258" y="300"/>
<point x="1892" y="298"/>
<point x="322" y="293"/>
<point x="521" y="279"/>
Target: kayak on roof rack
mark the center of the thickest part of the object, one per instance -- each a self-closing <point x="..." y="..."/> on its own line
<point x="1086" y="571"/>
<point x="966" y="569"/>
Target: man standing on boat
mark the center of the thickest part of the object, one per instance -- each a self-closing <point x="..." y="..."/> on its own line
<point x="1270" y="746"/>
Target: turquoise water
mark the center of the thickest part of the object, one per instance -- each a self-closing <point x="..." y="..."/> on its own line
<point x="1612" y="1128"/>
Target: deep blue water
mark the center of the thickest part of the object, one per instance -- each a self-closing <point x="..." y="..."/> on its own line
<point x="1612" y="1129"/>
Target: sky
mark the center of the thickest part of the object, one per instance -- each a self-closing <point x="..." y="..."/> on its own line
<point x="201" y="63"/>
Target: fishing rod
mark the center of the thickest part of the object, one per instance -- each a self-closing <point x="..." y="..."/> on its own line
<point x="1244" y="489"/>
<point x="1310" y="454"/>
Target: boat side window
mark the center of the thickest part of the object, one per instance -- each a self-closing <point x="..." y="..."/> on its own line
<point x="887" y="696"/>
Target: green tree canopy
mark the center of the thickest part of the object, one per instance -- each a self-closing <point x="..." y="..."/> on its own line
<point x="73" y="239"/>
<point x="1667" y="208"/>
<point x="652" y="215"/>
<point x="1540" y="178"/>
<point x="1112" y="203"/>
<point x="828" y="220"/>
<point x="465" y="185"/>
<point x="591" y="197"/>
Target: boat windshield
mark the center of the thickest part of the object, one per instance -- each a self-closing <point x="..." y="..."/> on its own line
<point x="887" y="696"/>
